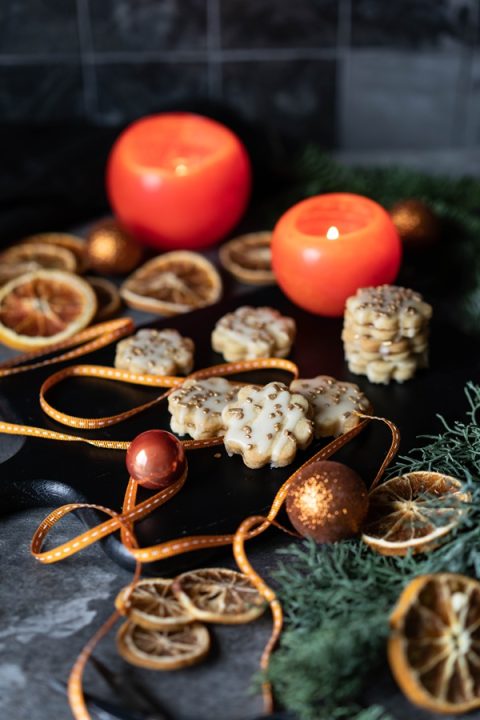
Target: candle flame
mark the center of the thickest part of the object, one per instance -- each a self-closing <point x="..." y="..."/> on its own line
<point x="332" y="233"/>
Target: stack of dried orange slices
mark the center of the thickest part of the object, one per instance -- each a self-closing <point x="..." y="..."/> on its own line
<point x="43" y="300"/>
<point x="165" y="628"/>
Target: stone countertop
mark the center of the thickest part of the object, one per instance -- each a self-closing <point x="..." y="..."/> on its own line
<point x="48" y="613"/>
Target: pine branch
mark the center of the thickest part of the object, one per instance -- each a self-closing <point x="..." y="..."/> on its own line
<point x="337" y="598"/>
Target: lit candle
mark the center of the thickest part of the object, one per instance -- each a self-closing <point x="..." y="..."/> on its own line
<point x="326" y="247"/>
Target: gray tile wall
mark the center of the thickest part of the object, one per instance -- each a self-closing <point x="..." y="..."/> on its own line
<point x="354" y="74"/>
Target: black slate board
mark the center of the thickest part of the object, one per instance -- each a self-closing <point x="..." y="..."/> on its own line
<point x="219" y="492"/>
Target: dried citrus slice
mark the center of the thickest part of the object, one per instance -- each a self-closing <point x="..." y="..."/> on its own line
<point x="163" y="649"/>
<point x="43" y="308"/>
<point x="173" y="283"/>
<point x="153" y="605"/>
<point x="434" y="644"/>
<point x="219" y="595"/>
<point x="412" y="512"/>
<point x="108" y="298"/>
<point x="28" y="257"/>
<point x="249" y="258"/>
<point x="73" y="243"/>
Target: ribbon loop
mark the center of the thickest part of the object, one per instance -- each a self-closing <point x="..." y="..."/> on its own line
<point x="109" y="373"/>
<point x="86" y="341"/>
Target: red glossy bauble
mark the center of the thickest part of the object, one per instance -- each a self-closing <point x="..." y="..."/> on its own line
<point x="178" y="180"/>
<point x="156" y="459"/>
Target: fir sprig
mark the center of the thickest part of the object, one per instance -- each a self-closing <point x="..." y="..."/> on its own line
<point x="337" y="598"/>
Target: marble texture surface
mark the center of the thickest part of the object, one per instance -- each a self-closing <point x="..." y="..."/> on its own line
<point x="47" y="613"/>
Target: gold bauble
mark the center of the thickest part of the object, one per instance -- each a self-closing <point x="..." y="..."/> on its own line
<point x="417" y="225"/>
<point x="111" y="250"/>
<point x="327" y="501"/>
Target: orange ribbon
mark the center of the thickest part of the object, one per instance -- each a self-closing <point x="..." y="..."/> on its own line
<point x="93" y="339"/>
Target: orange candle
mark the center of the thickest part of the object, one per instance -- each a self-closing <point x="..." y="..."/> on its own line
<point x="178" y="180"/>
<point x="326" y="247"/>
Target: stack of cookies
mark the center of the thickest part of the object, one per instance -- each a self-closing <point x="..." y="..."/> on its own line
<point x="385" y="333"/>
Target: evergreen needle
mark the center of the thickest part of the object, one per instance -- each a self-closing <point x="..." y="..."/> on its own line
<point x="337" y="598"/>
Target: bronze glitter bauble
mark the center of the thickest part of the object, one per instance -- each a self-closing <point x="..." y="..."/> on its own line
<point x="417" y="225"/>
<point x="327" y="501"/>
<point x="112" y="251"/>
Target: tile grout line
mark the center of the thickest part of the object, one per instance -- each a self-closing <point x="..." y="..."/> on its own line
<point x="214" y="51"/>
<point x="90" y="57"/>
<point x="87" y="57"/>
<point x="342" y="74"/>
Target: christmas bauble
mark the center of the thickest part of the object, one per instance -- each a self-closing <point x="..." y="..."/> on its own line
<point x="156" y="459"/>
<point x="327" y="501"/>
<point x="111" y="250"/>
<point x="417" y="225"/>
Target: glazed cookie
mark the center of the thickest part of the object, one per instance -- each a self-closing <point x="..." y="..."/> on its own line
<point x="196" y="407"/>
<point x="266" y="425"/>
<point x="250" y="333"/>
<point x="385" y="333"/>
<point x="389" y="308"/>
<point x="334" y="404"/>
<point x="155" y="352"/>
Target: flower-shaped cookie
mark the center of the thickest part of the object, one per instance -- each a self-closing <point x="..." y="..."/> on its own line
<point x="267" y="425"/>
<point x="333" y="402"/>
<point x="250" y="333"/>
<point x="155" y="352"/>
<point x="389" y="309"/>
<point x="196" y="407"/>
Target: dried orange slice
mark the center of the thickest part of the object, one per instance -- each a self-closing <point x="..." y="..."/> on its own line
<point x="43" y="308"/>
<point x="249" y="258"/>
<point x="153" y="605"/>
<point x="219" y="595"/>
<point x="434" y="644"/>
<point x="163" y="649"/>
<point x="73" y="243"/>
<point x="28" y="257"/>
<point x="412" y="512"/>
<point x="173" y="283"/>
<point x="108" y="298"/>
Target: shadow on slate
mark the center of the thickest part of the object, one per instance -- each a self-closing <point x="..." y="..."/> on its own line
<point x="220" y="491"/>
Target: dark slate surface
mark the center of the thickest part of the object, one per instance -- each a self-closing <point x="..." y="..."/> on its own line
<point x="47" y="613"/>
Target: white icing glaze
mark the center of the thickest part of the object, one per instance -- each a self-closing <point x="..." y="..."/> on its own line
<point x="196" y="407"/>
<point x="388" y="306"/>
<point x="333" y="402"/>
<point x="255" y="332"/>
<point x="156" y="352"/>
<point x="268" y="423"/>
